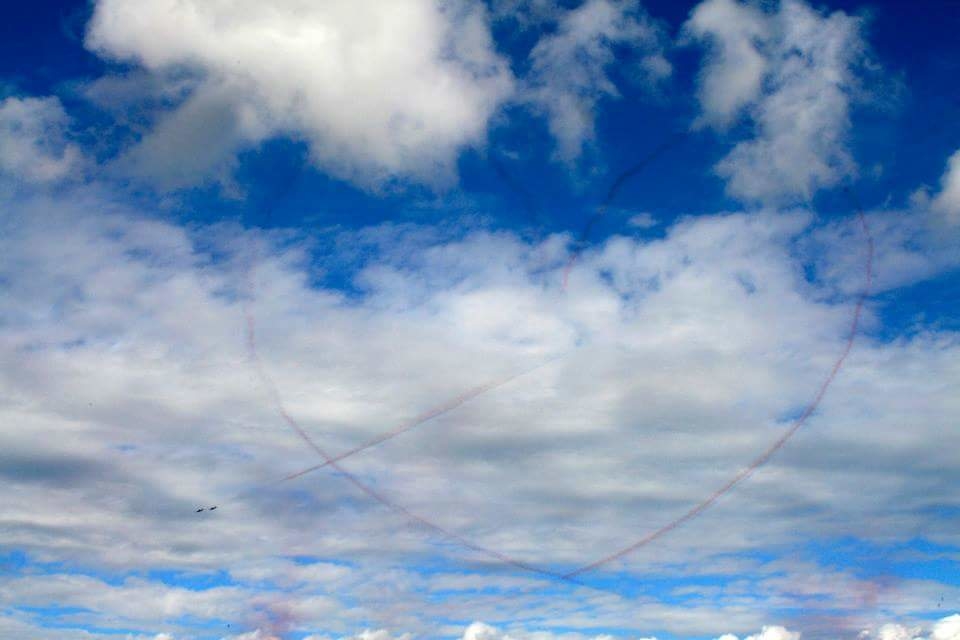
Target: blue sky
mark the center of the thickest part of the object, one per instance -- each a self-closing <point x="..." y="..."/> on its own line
<point x="540" y="277"/>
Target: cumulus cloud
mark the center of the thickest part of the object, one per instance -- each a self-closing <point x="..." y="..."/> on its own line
<point x="946" y="202"/>
<point x="569" y="68"/>
<point x="947" y="628"/>
<point x="774" y="633"/>
<point x="378" y="90"/>
<point x="792" y="72"/>
<point x="33" y="141"/>
<point x="481" y="631"/>
<point x="893" y="631"/>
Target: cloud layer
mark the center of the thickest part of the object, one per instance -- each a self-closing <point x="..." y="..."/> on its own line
<point x="134" y="348"/>
<point x="680" y="359"/>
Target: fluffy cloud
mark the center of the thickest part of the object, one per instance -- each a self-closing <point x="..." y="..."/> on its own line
<point x="734" y="69"/>
<point x="569" y="76"/>
<point x="767" y="633"/>
<point x="947" y="202"/>
<point x="481" y="631"/>
<point x="944" y="629"/>
<point x="33" y="142"/>
<point x="378" y="90"/>
<point x="775" y="633"/>
<point x="896" y="632"/>
<point x="947" y="629"/>
<point x="792" y="72"/>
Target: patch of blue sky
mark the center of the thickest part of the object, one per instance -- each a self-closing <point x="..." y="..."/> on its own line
<point x="193" y="580"/>
<point x="53" y="623"/>
<point x="19" y="564"/>
<point x="916" y="559"/>
<point x="929" y="305"/>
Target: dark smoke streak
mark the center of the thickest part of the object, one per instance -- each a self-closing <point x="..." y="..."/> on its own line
<point x="582" y="242"/>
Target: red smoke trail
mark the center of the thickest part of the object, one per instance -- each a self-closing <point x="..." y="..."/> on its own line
<point x="418" y="420"/>
<point x="333" y="461"/>
<point x="777" y="445"/>
<point x="705" y="504"/>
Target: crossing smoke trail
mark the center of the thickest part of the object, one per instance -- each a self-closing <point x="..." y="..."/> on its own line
<point x="570" y="576"/>
<point x="409" y="425"/>
<point x="331" y="461"/>
<point x="465" y="397"/>
<point x="573" y="575"/>
<point x="424" y="417"/>
<point x="531" y="208"/>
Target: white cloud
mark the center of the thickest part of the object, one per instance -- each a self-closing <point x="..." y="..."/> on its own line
<point x="568" y="76"/>
<point x="378" y="90"/>
<point x="33" y="142"/>
<point x="775" y="633"/>
<point x="643" y="220"/>
<point x="896" y="632"/>
<point x="767" y="633"/>
<point x="734" y="69"/>
<point x="792" y="72"/>
<point x="947" y="628"/>
<point x="481" y="631"/>
<point x="946" y="202"/>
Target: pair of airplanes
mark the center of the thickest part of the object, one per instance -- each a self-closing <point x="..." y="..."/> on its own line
<point x="213" y="508"/>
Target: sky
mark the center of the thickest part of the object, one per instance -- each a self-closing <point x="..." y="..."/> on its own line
<point x="479" y="320"/>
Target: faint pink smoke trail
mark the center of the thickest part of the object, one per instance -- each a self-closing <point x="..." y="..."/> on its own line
<point x="777" y="445"/>
<point x="430" y="414"/>
<point x="332" y="462"/>
<point x="420" y="419"/>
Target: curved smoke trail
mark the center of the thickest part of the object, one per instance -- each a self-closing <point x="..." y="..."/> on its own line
<point x="778" y="444"/>
<point x="333" y="461"/>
